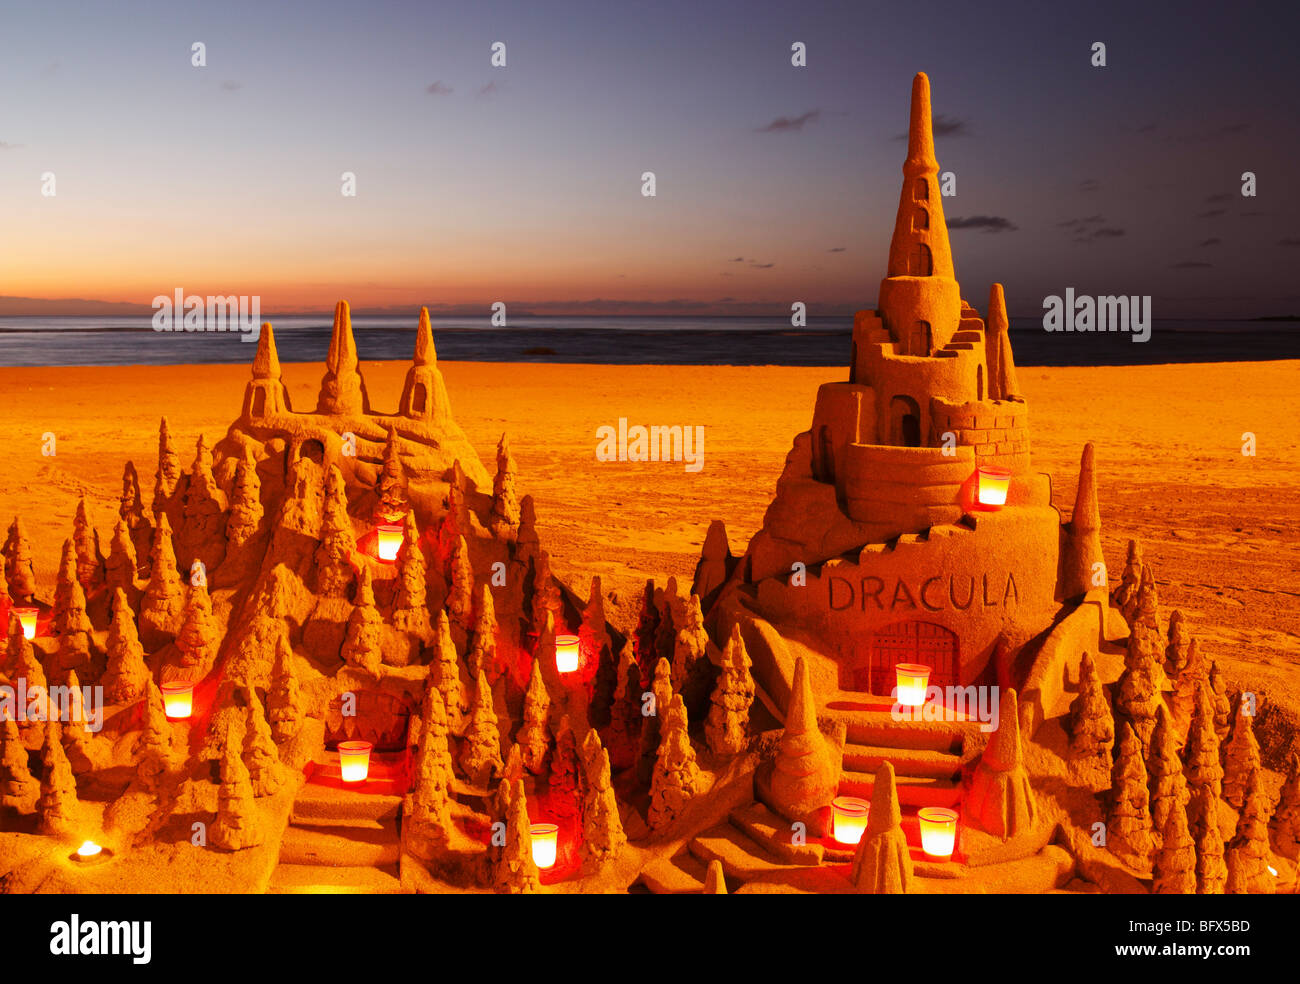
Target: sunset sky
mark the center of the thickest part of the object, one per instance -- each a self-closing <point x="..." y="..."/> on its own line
<point x="523" y="183"/>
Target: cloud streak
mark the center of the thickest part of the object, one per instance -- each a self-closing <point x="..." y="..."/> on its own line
<point x="985" y="223"/>
<point x="783" y="124"/>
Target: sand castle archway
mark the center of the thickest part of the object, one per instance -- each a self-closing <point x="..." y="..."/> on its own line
<point x="911" y="641"/>
<point x="905" y="422"/>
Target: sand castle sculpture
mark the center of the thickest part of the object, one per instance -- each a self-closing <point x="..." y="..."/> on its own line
<point x="320" y="578"/>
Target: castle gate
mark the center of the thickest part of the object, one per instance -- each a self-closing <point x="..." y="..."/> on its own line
<point x="906" y="642"/>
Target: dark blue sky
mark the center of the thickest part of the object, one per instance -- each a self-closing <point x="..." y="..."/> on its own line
<point x="522" y="183"/>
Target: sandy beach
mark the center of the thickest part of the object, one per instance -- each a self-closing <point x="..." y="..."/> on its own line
<point x="1222" y="529"/>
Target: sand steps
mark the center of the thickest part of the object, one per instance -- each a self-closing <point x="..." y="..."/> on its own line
<point x="682" y="875"/>
<point x="915" y="762"/>
<point x="340" y="841"/>
<point x="867" y="724"/>
<point x="773" y="833"/>
<point x="912" y="790"/>
<point x="310" y="879"/>
<point x="357" y="844"/>
<point x="742" y="858"/>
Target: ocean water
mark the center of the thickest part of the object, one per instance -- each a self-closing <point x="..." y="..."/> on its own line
<point x="617" y="340"/>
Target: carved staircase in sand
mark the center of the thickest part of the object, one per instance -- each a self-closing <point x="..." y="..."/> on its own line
<point x="754" y="844"/>
<point x="343" y="840"/>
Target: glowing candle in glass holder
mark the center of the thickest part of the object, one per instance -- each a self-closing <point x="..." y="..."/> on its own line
<point x="993" y="484"/>
<point x="354" y="760"/>
<point x="178" y="699"/>
<point x="544" y="837"/>
<point x="389" y="541"/>
<point x="938" y="831"/>
<point x="850" y="818"/>
<point x="27" y="616"/>
<point x="88" y="849"/>
<point x="913" y="681"/>
<point x="566" y="653"/>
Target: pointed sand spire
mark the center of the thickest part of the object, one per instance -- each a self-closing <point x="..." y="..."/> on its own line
<point x="342" y="390"/>
<point x="1003" y="384"/>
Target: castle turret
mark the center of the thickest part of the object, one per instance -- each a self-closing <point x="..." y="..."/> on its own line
<point x="424" y="394"/>
<point x="920" y="302"/>
<point x="1083" y="535"/>
<point x="342" y="390"/>
<point x="265" y="395"/>
<point x="997" y="350"/>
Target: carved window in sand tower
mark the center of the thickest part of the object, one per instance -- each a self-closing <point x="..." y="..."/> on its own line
<point x="920" y="220"/>
<point x="903" y="642"/>
<point x="419" y="398"/>
<point x="919" y="261"/>
<point x="979" y="382"/>
<point x="921" y="190"/>
<point x="825" y="459"/>
<point x="259" y="402"/>
<point x="905" y="422"/>
<point x="919" y="338"/>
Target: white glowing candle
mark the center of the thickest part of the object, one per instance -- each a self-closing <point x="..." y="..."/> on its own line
<point x="993" y="484"/>
<point x="938" y="831"/>
<point x="913" y="681"/>
<point x="27" y="616"/>
<point x="566" y="653"/>
<point x="88" y="849"/>
<point x="850" y="818"/>
<point x="178" y="699"/>
<point x="354" y="760"/>
<point x="545" y="836"/>
<point x="389" y="541"/>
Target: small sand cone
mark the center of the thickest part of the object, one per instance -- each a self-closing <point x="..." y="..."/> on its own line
<point x="602" y="828"/>
<point x="715" y="882"/>
<point x="19" y="789"/>
<point x="259" y="752"/>
<point x="58" y="805"/>
<point x="482" y="656"/>
<point x="882" y="864"/>
<point x="1240" y="756"/>
<point x="1092" y="727"/>
<point x="238" y="825"/>
<point x="805" y="775"/>
<point x="362" y="644"/>
<point x="1128" y="820"/>
<point x="1175" y="862"/>
<point x="728" y="722"/>
<point x="1211" y="869"/>
<point x="1000" y="800"/>
<point x="676" y="777"/>
<point x="480" y="754"/>
<point x="534" y="737"/>
<point x="505" y="507"/>
<point x="516" y="873"/>
<point x="444" y="673"/>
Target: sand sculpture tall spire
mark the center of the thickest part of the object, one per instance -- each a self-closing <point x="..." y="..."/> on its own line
<point x="424" y="394"/>
<point x="1003" y="384"/>
<point x="1079" y="573"/>
<point x="920" y="301"/>
<point x="342" y="390"/>
<point x="265" y="395"/>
